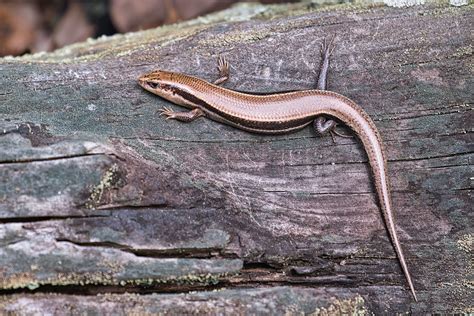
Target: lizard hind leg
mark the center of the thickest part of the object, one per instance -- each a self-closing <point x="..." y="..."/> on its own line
<point x="327" y="49"/>
<point x="323" y="125"/>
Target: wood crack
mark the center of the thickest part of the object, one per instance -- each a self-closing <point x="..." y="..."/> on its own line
<point x="178" y="253"/>
<point x="35" y="219"/>
<point x="55" y="158"/>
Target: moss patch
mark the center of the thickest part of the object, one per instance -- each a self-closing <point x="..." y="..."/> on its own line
<point x="109" y="179"/>
<point x="355" y="307"/>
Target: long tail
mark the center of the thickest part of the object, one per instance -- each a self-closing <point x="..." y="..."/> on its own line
<point x="378" y="165"/>
<point x="355" y="117"/>
<point x="384" y="198"/>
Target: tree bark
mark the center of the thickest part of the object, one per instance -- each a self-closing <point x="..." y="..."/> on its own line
<point x="100" y="195"/>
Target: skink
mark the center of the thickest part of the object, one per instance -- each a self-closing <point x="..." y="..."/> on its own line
<point x="277" y="114"/>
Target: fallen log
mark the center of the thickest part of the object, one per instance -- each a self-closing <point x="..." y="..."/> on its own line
<point x="100" y="196"/>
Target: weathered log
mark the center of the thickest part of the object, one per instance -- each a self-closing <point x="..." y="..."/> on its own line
<point x="99" y="195"/>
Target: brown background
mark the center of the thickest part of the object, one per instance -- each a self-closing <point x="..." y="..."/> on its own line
<point x="43" y="25"/>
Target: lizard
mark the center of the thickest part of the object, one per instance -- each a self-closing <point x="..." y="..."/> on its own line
<point x="280" y="113"/>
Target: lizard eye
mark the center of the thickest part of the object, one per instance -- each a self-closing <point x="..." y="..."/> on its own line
<point x="153" y="85"/>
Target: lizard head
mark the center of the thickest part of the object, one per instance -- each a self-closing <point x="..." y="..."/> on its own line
<point x="157" y="81"/>
<point x="167" y="85"/>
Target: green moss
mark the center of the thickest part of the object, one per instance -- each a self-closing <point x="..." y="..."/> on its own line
<point x="465" y="243"/>
<point x="460" y="290"/>
<point x="189" y="279"/>
<point x="463" y="51"/>
<point x="355" y="307"/>
<point x="102" y="278"/>
<point x="108" y="180"/>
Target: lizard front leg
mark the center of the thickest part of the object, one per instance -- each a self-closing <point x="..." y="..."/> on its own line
<point x="224" y="70"/>
<point x="186" y="116"/>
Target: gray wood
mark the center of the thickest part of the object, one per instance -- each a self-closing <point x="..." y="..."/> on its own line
<point x="99" y="195"/>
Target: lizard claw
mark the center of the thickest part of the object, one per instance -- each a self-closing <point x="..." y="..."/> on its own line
<point x="328" y="48"/>
<point x="222" y="65"/>
<point x="166" y="111"/>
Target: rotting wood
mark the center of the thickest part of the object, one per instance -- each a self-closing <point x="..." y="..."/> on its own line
<point x="100" y="195"/>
